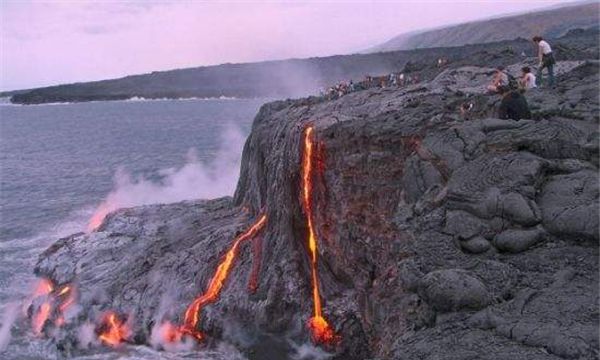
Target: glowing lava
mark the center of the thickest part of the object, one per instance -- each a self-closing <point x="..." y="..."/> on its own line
<point x="192" y="313"/>
<point x="40" y="318"/>
<point x="98" y="217"/>
<point x="68" y="292"/>
<point x="321" y="331"/>
<point x="44" y="288"/>
<point x="113" y="330"/>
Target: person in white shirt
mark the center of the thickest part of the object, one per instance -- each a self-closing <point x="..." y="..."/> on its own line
<point x="527" y="80"/>
<point x="546" y="59"/>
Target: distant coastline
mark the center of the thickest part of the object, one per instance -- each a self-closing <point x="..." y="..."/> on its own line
<point x="5" y="100"/>
<point x="301" y="77"/>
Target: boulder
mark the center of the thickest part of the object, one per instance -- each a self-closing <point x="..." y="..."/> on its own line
<point x="453" y="290"/>
<point x="517" y="240"/>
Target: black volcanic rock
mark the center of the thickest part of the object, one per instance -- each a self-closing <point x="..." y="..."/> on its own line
<point x="439" y="237"/>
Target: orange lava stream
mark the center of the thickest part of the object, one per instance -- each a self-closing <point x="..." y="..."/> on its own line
<point x="39" y="319"/>
<point x="192" y="313"/>
<point x="115" y="330"/>
<point x="44" y="288"/>
<point x="99" y="215"/>
<point x="320" y="329"/>
<point x="64" y="305"/>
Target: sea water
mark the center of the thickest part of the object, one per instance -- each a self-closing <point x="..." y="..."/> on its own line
<point x="58" y="162"/>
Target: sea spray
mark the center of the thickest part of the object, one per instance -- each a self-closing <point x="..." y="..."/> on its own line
<point x="8" y="318"/>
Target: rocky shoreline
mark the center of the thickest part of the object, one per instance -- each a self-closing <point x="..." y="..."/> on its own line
<point x="440" y="236"/>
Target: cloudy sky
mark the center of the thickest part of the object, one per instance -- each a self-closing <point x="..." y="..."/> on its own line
<point x="51" y="42"/>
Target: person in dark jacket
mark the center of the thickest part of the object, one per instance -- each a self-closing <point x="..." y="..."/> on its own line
<point x="513" y="105"/>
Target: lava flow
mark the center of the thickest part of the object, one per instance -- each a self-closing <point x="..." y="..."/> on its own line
<point x="113" y="330"/>
<point x="320" y="328"/>
<point x="99" y="215"/>
<point x="192" y="313"/>
<point x="68" y="293"/>
<point x="44" y="288"/>
<point x="51" y="295"/>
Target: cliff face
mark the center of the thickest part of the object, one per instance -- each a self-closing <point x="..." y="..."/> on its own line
<point x="439" y="235"/>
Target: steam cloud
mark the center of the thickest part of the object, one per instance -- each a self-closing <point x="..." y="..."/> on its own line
<point x="9" y="317"/>
<point x="308" y="351"/>
<point x="195" y="180"/>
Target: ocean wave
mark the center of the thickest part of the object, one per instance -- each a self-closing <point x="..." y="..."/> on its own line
<point x="222" y="97"/>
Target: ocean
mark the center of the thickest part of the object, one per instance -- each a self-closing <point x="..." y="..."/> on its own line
<point x="60" y="162"/>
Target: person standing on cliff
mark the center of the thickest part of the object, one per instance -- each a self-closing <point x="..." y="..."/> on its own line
<point x="546" y="59"/>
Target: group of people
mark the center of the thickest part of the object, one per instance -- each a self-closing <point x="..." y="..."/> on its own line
<point x="393" y="79"/>
<point x="514" y="104"/>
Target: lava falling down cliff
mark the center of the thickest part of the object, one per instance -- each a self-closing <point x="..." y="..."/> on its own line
<point x="192" y="314"/>
<point x="114" y="329"/>
<point x="320" y="329"/>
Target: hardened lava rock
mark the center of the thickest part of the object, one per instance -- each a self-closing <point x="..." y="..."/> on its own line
<point x="439" y="237"/>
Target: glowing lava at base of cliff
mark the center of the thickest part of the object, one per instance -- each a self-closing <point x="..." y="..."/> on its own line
<point x="44" y="288"/>
<point x="113" y="330"/>
<point x="192" y="313"/>
<point x="65" y="298"/>
<point x="320" y="329"/>
<point x="40" y="318"/>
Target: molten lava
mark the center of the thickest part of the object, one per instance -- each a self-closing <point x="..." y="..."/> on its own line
<point x="98" y="217"/>
<point x="192" y="313"/>
<point x="68" y="293"/>
<point x="40" y="318"/>
<point x="113" y="330"/>
<point x="44" y="288"/>
<point x="321" y="331"/>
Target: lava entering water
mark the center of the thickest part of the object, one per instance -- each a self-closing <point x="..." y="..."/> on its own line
<point x="320" y="329"/>
<point x="192" y="313"/>
<point x="63" y="296"/>
<point x="67" y="292"/>
<point x="113" y="330"/>
<point x="99" y="215"/>
<point x="44" y="288"/>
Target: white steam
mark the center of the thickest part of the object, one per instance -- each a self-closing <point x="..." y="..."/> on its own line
<point x="194" y="180"/>
<point x="308" y="351"/>
<point x="8" y="319"/>
<point x="86" y="336"/>
<point x="160" y="334"/>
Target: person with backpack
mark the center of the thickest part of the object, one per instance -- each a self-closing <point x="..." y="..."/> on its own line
<point x="513" y="105"/>
<point x="546" y="59"/>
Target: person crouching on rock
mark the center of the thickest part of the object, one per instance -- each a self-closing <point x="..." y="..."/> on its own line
<point x="513" y="105"/>
<point x="500" y="79"/>
<point x="546" y="59"/>
<point x="527" y="80"/>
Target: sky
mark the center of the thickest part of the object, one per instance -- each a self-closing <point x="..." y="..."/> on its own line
<point x="52" y="42"/>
